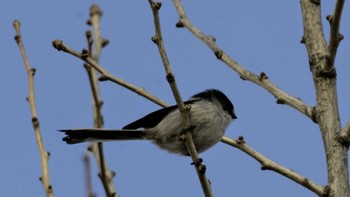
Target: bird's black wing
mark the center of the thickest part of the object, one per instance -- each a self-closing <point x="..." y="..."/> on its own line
<point x="152" y="119"/>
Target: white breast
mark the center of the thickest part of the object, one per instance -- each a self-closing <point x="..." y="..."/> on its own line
<point x="209" y="123"/>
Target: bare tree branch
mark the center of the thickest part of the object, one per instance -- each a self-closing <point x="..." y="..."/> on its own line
<point x="262" y="80"/>
<point x="267" y="164"/>
<point x="158" y="40"/>
<point x="106" y="175"/>
<point x="88" y="181"/>
<point x="327" y="109"/>
<point x="95" y="46"/>
<point x="92" y="75"/>
<point x="316" y="56"/>
<point x="94" y="21"/>
<point x="60" y="46"/>
<point x="44" y="155"/>
<point x="335" y="36"/>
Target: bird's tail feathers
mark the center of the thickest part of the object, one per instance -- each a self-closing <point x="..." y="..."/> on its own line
<point x="75" y="136"/>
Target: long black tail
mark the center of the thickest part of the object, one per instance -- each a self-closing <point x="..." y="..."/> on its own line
<point x="98" y="135"/>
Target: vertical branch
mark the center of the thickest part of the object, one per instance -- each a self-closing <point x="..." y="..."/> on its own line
<point x="327" y="110"/>
<point x="158" y="40"/>
<point x="105" y="174"/>
<point x="44" y="155"/>
<point x="94" y="21"/>
<point x="88" y="180"/>
<point x="96" y="43"/>
<point x="97" y="101"/>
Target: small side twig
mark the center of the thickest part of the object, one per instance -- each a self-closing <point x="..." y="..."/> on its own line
<point x="44" y="155"/>
<point x="60" y="46"/>
<point x="158" y="40"/>
<point x="267" y="164"/>
<point x="265" y="83"/>
<point x="344" y="135"/>
<point x="335" y="36"/>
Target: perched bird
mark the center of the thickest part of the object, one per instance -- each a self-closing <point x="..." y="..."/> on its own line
<point x="210" y="114"/>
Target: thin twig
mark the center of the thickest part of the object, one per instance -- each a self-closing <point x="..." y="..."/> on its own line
<point x="262" y="80"/>
<point x="88" y="180"/>
<point x="158" y="40"/>
<point x="105" y="174"/>
<point x="60" y="46"/>
<point x="44" y="155"/>
<point x="97" y="107"/>
<point x="335" y="36"/>
<point x="95" y="17"/>
<point x="267" y="164"/>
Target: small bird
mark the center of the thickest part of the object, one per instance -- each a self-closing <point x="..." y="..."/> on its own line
<point x="210" y="114"/>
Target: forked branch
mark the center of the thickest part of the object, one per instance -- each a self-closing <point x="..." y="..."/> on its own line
<point x="335" y="36"/>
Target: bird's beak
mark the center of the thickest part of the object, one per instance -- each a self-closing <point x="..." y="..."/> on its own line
<point x="234" y="116"/>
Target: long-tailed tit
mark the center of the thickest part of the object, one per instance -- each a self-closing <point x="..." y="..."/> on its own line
<point x="210" y="114"/>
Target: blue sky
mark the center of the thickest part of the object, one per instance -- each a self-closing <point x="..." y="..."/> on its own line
<point x="260" y="35"/>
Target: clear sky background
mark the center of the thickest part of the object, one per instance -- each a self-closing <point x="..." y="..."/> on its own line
<point x="260" y="35"/>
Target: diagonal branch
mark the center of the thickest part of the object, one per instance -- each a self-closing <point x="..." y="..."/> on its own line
<point x="158" y="40"/>
<point x="262" y="80"/>
<point x="267" y="164"/>
<point x="60" y="46"/>
<point x="44" y="155"/>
